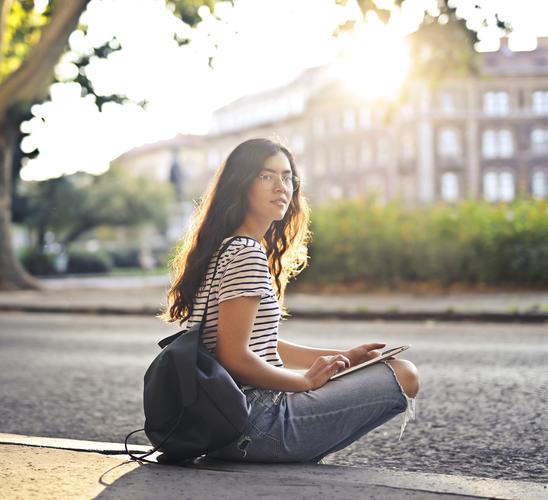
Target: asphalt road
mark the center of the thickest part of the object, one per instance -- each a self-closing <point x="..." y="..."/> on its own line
<point x="482" y="409"/>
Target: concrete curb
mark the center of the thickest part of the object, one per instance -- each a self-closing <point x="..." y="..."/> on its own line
<point x="343" y="481"/>
<point x="443" y="316"/>
<point x="71" y="444"/>
<point x="452" y="316"/>
<point x="101" y="310"/>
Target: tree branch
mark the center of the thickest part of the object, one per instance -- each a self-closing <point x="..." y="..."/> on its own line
<point x="76" y="232"/>
<point x="5" y="7"/>
<point x="31" y="79"/>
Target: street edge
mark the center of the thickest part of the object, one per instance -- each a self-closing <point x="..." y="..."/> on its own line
<point x="442" y="316"/>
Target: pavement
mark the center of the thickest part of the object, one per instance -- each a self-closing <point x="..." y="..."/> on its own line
<point x="145" y="295"/>
<point x="38" y="467"/>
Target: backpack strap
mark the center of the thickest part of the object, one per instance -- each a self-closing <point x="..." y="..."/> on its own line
<point x="168" y="340"/>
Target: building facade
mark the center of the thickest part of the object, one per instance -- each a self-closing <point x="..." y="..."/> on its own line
<point x="482" y="136"/>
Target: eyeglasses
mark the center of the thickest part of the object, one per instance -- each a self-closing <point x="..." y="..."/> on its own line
<point x="290" y="182"/>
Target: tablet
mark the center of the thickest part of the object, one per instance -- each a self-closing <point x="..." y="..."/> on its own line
<point x="384" y="354"/>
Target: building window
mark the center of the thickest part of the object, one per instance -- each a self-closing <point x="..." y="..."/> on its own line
<point x="319" y="126"/>
<point x="319" y="163"/>
<point x="448" y="143"/>
<point x="366" y="155"/>
<point x="539" y="141"/>
<point x="496" y="103"/>
<point x="449" y="186"/>
<point x="498" y="186"/>
<point x="497" y="144"/>
<point x="349" y="120"/>
<point x="408" y="147"/>
<point x="539" y="184"/>
<point x="383" y="151"/>
<point x="335" y="123"/>
<point x="540" y="102"/>
<point x="365" y="117"/>
<point x="349" y="157"/>
<point x="447" y="102"/>
<point x="334" y="161"/>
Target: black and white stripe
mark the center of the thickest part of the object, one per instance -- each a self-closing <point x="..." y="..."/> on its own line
<point x="242" y="272"/>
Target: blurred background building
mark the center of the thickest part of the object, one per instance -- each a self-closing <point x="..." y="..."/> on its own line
<point x="482" y="136"/>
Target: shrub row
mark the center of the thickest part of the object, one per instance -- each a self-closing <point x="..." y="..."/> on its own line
<point x="360" y="240"/>
<point x="471" y="242"/>
<point x="77" y="262"/>
<point x="88" y="262"/>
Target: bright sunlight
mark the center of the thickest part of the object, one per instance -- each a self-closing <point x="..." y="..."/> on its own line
<point x="375" y="61"/>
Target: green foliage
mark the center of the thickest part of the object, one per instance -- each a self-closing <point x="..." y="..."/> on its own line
<point x="472" y="242"/>
<point x="22" y="31"/>
<point x="79" y="262"/>
<point x="38" y="263"/>
<point x="88" y="262"/>
<point x="125" y="257"/>
<point x="70" y="206"/>
<point x="129" y="257"/>
<point x="162" y="256"/>
<point x="187" y="10"/>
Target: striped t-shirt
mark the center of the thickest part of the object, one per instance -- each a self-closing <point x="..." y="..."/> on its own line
<point x="242" y="272"/>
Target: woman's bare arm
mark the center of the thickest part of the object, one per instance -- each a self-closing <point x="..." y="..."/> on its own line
<point x="300" y="356"/>
<point x="235" y="324"/>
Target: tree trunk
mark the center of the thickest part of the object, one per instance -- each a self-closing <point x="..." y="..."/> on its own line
<point x="24" y="86"/>
<point x="12" y="274"/>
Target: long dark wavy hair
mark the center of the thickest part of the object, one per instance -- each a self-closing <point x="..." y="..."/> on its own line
<point x="221" y="211"/>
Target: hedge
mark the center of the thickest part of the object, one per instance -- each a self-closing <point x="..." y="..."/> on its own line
<point x="471" y="242"/>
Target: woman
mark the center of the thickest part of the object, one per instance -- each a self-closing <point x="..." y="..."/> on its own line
<point x="295" y="416"/>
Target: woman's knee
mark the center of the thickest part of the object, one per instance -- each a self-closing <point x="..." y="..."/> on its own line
<point x="407" y="375"/>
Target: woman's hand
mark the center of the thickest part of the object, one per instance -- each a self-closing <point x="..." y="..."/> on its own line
<point x="363" y="353"/>
<point x="323" y="369"/>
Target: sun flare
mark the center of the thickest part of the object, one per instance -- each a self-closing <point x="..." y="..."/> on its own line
<point x="375" y="61"/>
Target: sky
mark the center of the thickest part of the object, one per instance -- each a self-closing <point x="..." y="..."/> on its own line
<point x="256" y="45"/>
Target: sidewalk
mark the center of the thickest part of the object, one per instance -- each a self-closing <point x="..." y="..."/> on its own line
<point x="69" y="469"/>
<point x="146" y="296"/>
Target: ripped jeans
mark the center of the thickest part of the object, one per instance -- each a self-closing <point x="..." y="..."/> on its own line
<point x="307" y="426"/>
